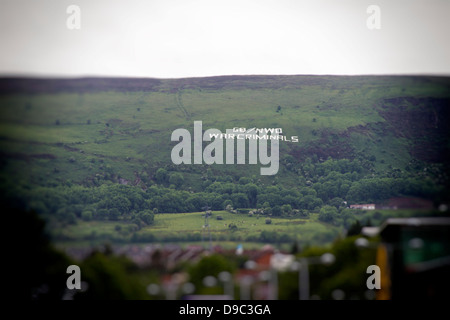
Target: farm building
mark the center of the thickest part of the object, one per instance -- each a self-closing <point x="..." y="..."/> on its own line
<point x="367" y="206"/>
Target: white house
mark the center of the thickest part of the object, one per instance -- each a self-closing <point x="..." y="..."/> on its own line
<point x="366" y="206"/>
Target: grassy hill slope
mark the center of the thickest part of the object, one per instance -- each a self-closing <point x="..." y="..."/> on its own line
<point x="126" y="123"/>
<point x="100" y="131"/>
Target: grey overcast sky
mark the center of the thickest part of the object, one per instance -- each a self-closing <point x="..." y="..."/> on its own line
<point x="184" y="38"/>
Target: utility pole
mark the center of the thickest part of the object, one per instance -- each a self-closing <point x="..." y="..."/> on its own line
<point x="206" y="208"/>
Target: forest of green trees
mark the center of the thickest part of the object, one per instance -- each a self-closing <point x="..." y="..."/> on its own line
<point x="326" y="188"/>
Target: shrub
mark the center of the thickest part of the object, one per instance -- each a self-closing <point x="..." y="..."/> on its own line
<point x="286" y="208"/>
<point x="146" y="216"/>
<point x="86" y="215"/>
<point x="228" y="205"/>
<point x="114" y="214"/>
<point x="137" y="222"/>
<point x="276" y="211"/>
<point x="268" y="236"/>
<point x="101" y="214"/>
<point x="176" y="179"/>
<point x="327" y="213"/>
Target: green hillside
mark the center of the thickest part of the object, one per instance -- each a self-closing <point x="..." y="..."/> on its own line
<point x="99" y="149"/>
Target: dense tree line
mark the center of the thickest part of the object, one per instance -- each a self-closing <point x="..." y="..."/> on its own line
<point x="106" y="202"/>
<point x="325" y="187"/>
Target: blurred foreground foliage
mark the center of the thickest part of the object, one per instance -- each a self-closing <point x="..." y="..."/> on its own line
<point x="39" y="270"/>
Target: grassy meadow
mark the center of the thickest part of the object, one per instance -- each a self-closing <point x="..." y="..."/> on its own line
<point x="251" y="231"/>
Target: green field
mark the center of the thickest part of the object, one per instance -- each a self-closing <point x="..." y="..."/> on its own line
<point x="174" y="227"/>
<point x="189" y="228"/>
